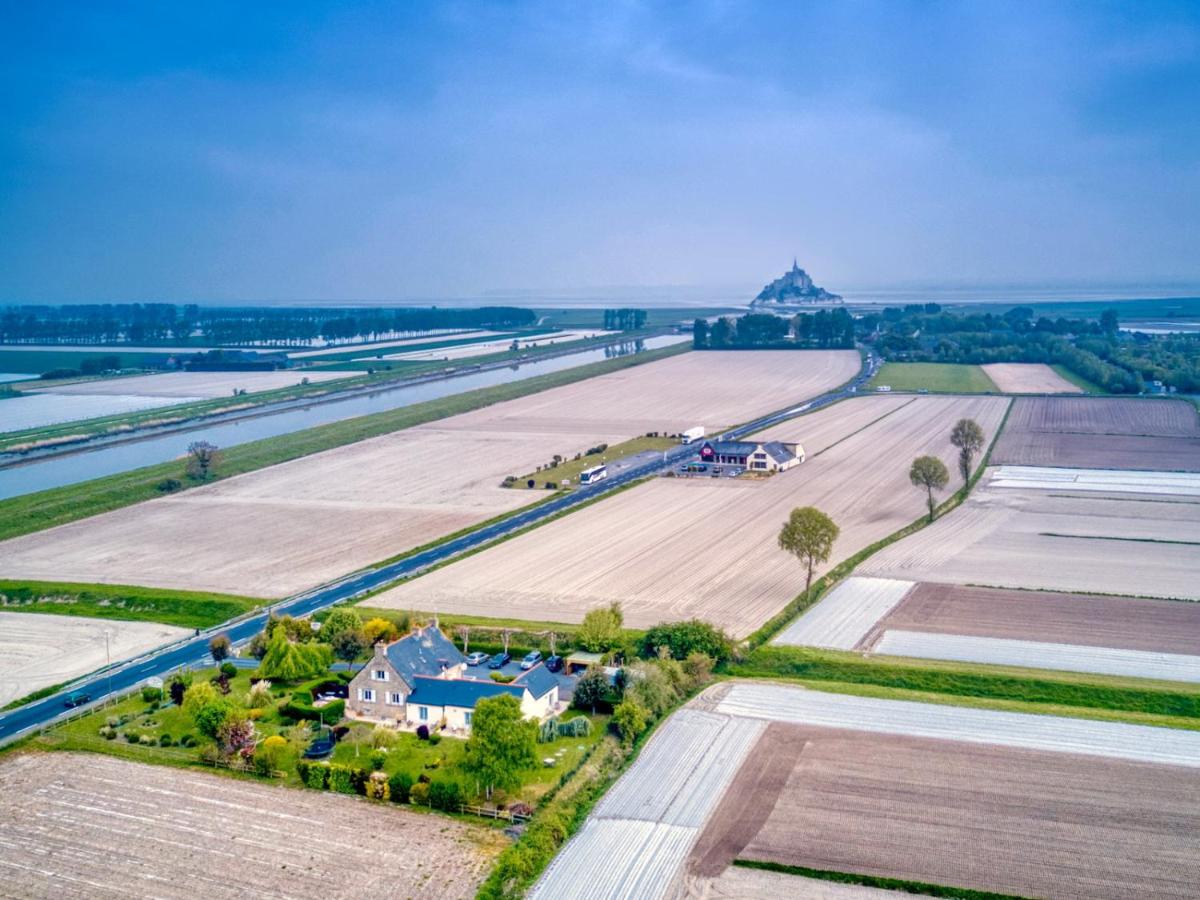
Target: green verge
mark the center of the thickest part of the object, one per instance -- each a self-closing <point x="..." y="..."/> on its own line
<point x="186" y="609"/>
<point x="942" y="378"/>
<point x="1078" y="380"/>
<point x="1034" y="690"/>
<point x="57" y="506"/>
<point x="875" y="881"/>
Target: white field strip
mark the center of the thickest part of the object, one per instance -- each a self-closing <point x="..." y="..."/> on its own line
<point x="368" y="349"/>
<point x="1039" y="655"/>
<point x="843" y="618"/>
<point x="639" y="836"/>
<point x="38" y="410"/>
<point x="1118" y="740"/>
<point x="682" y="771"/>
<point x="482" y="347"/>
<point x="617" y="859"/>
<point x="1103" y="480"/>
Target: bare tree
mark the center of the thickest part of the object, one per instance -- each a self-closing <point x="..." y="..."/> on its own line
<point x="967" y="436"/>
<point x="808" y="534"/>
<point x="203" y="458"/>
<point x="930" y="473"/>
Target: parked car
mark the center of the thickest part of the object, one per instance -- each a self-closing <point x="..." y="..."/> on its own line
<point x="76" y="698"/>
<point x="478" y="658"/>
<point x="500" y="660"/>
<point x="532" y="658"/>
<point x="554" y="663"/>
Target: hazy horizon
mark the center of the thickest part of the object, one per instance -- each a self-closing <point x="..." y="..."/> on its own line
<point x="306" y="153"/>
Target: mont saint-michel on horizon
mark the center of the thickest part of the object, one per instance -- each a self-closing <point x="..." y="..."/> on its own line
<point x="792" y="288"/>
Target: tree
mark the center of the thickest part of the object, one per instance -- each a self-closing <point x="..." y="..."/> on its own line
<point x="684" y="638"/>
<point x="967" y="436"/>
<point x="202" y="459"/>
<point x="218" y="647"/>
<point x="377" y="630"/>
<point x="808" y="534"/>
<point x="348" y="644"/>
<point x="601" y="629"/>
<point x="630" y="718"/>
<point x="198" y="695"/>
<point x="590" y="689"/>
<point x="930" y="473"/>
<point x="340" y="618"/>
<point x="502" y="743"/>
<point x="1109" y="323"/>
<point x="235" y="734"/>
<point x="289" y="661"/>
<point x="700" y="334"/>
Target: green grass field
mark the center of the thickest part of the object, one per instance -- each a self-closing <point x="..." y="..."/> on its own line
<point x="1078" y="380"/>
<point x="45" y="509"/>
<point x="187" y="609"/>
<point x="570" y="469"/>
<point x="942" y="378"/>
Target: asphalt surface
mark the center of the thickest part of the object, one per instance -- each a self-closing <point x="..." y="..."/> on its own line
<point x="194" y="651"/>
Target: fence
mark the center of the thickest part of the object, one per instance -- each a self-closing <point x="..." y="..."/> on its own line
<point x="489" y="813"/>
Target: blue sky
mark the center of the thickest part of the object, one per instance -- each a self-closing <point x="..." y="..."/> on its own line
<point x="273" y="151"/>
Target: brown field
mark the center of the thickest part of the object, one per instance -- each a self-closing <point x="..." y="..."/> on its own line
<point x="1101" y="433"/>
<point x="1026" y="822"/>
<point x="678" y="548"/>
<point x="290" y="527"/>
<point x="1041" y="540"/>
<point x="197" y="384"/>
<point x="1029" y="378"/>
<point x="1162" y="626"/>
<point x="90" y="826"/>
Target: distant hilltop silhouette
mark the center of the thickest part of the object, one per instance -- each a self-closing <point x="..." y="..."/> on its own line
<point x="794" y="287"/>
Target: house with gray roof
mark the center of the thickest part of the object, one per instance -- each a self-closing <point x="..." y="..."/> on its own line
<point x="421" y="680"/>
<point x="756" y="456"/>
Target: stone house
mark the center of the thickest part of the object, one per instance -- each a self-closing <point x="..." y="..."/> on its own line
<point x="422" y="679"/>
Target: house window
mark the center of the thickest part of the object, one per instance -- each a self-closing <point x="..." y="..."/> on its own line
<point x="379" y="675"/>
<point x="468" y="717"/>
<point x="366" y="695"/>
<point x="423" y="713"/>
<point x="396" y="699"/>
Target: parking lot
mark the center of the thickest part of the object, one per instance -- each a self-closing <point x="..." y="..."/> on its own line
<point x="566" y="682"/>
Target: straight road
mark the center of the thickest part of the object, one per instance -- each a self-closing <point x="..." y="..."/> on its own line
<point x="194" y="650"/>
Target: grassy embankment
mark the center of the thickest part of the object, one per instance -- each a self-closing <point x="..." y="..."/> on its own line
<point x="937" y="378"/>
<point x="45" y="509"/>
<point x="568" y="470"/>
<point x="187" y="609"/>
<point x="1078" y="380"/>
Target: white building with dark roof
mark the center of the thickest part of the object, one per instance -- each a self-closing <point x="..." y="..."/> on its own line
<point x="756" y="456"/>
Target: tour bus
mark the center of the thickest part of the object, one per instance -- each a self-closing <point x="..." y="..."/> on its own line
<point x="592" y="475"/>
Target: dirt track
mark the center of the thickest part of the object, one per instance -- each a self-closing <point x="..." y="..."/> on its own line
<point x="290" y="527"/>
<point x="968" y="815"/>
<point x="82" y="826"/>
<point x="678" y="548"/>
<point x="1029" y="378"/>
<point x="1101" y="432"/>
<point x="1132" y="624"/>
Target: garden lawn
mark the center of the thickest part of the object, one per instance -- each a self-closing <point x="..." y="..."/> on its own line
<point x="938" y="378"/>
<point x="187" y="609"/>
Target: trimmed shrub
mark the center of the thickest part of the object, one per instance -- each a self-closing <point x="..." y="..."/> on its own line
<point x="165" y="740"/>
<point x="419" y="794"/>
<point x="446" y="793"/>
<point x="132" y="736"/>
<point x="340" y="731"/>
<point x="187" y="741"/>
<point x="317" y="776"/>
<point x="341" y="780"/>
<point x="377" y="786"/>
<point x="435" y="738"/>
<point x="423" y="732"/>
<point x="358" y="779"/>
<point x="152" y="694"/>
<point x="378" y="758"/>
<point x="229" y="670"/>
<point x="108" y="733"/>
<point x="147" y="740"/>
<point x="302" y="767"/>
<point x="548" y="731"/>
<point x="580" y="726"/>
<point x="400" y="785"/>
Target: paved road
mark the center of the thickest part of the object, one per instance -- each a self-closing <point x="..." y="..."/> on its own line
<point x="194" y="650"/>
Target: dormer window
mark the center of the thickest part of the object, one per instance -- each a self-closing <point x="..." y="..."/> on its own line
<point x="379" y="675"/>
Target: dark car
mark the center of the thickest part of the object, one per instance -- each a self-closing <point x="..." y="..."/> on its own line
<point x="554" y="663"/>
<point x="499" y="661"/>
<point x="76" y="698"/>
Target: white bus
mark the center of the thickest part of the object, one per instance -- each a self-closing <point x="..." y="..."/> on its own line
<point x="592" y="475"/>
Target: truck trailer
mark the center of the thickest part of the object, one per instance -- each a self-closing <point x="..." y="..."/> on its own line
<point x="692" y="434"/>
